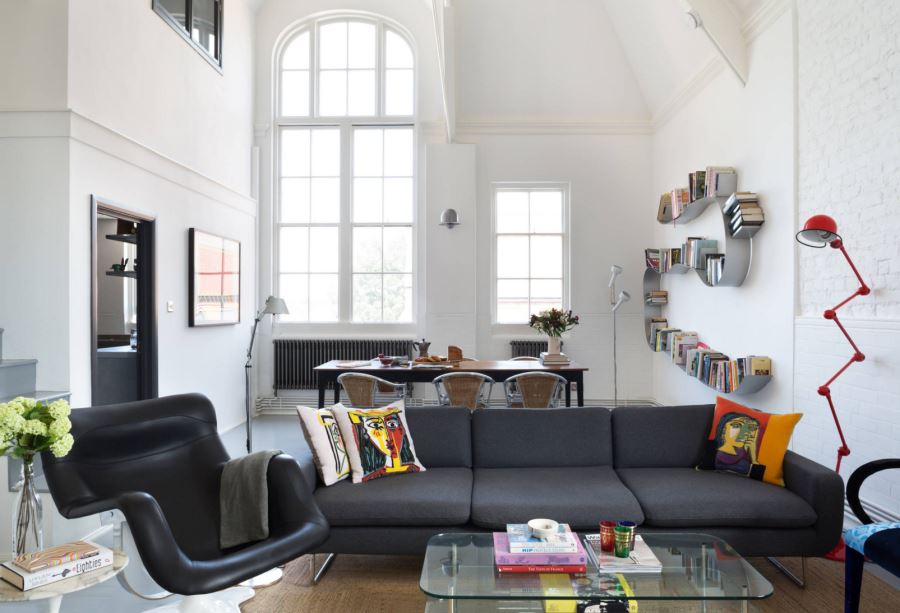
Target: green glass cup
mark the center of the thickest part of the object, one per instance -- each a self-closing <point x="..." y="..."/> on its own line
<point x="623" y="541"/>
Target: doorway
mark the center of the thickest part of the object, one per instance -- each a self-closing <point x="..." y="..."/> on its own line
<point x="123" y="299"/>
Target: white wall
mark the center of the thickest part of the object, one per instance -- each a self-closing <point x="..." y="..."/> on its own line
<point x="528" y="58"/>
<point x="750" y="128"/>
<point x="33" y="46"/>
<point x="849" y="167"/>
<point x="608" y="178"/>
<point x="131" y="71"/>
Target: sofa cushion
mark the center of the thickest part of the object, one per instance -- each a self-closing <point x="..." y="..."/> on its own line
<point x="437" y="497"/>
<point x="581" y="496"/>
<point x="687" y="498"/>
<point x="443" y="435"/>
<point x="660" y="436"/>
<point x="523" y="438"/>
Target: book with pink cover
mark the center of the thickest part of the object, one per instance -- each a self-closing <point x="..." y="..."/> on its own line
<point x="502" y="556"/>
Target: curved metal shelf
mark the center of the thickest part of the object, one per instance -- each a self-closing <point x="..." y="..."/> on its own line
<point x="738" y="256"/>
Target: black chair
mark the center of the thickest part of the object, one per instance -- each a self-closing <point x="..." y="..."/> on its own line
<point x="880" y="542"/>
<point x="159" y="462"/>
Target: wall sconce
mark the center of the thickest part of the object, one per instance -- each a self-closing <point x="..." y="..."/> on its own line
<point x="449" y="218"/>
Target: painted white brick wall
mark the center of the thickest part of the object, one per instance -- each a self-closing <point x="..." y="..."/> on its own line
<point x="849" y="168"/>
<point x="849" y="149"/>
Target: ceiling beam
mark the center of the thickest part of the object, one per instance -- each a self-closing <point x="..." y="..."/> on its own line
<point x="723" y="29"/>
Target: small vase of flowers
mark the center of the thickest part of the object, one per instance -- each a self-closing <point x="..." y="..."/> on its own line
<point x="553" y="323"/>
<point x="28" y="427"/>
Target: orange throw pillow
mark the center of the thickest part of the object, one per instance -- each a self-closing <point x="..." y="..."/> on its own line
<point x="748" y="442"/>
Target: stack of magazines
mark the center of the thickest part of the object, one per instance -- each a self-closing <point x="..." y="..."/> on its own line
<point x="640" y="560"/>
<point x="517" y="551"/>
<point x="47" y="566"/>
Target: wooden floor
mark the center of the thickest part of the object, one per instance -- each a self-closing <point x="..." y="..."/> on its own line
<point x="390" y="584"/>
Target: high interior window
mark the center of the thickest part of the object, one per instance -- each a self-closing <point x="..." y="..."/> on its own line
<point x="198" y="21"/>
<point x="345" y="199"/>
<point x="530" y="250"/>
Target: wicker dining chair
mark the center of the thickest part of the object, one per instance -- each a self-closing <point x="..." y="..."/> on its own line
<point x="471" y="390"/>
<point x="361" y="388"/>
<point x="534" y="390"/>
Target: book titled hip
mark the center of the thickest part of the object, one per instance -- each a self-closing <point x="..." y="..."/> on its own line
<point x="25" y="580"/>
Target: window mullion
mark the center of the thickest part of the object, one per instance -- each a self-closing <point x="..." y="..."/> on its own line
<point x="345" y="278"/>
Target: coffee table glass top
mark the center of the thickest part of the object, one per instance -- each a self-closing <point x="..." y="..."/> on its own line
<point x="695" y="567"/>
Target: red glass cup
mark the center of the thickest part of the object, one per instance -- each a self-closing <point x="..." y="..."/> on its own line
<point x="607" y="535"/>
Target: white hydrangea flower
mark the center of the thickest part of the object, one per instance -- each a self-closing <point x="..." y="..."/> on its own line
<point x="58" y="409"/>
<point x="62" y="446"/>
<point x="34" y="426"/>
<point x="59" y="427"/>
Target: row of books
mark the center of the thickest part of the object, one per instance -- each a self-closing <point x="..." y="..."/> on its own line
<point x="701" y="184"/>
<point x="746" y="216"/>
<point x="694" y="252"/>
<point x="54" y="564"/>
<point x="714" y="368"/>
<point x="657" y="297"/>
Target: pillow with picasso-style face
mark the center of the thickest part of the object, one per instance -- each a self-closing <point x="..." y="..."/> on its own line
<point x="379" y="443"/>
<point x="748" y="442"/>
<point x="326" y="443"/>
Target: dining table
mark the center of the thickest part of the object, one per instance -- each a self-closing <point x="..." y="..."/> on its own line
<point x="498" y="370"/>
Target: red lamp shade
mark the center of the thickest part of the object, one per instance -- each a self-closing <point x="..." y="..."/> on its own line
<point x="818" y="231"/>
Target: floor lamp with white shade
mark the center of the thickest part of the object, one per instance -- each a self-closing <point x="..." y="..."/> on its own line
<point x="274" y="306"/>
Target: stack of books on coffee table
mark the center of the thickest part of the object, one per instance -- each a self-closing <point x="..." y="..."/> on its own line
<point x="641" y="559"/>
<point x="517" y="551"/>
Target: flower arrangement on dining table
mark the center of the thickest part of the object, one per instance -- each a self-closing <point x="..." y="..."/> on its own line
<point x="553" y="322"/>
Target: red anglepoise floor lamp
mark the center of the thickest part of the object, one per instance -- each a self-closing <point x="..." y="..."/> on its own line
<point x="819" y="231"/>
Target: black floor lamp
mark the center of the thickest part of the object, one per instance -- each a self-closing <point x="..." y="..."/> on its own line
<point x="274" y="306"/>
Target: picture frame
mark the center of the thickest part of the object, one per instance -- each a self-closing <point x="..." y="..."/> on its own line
<point x="214" y="279"/>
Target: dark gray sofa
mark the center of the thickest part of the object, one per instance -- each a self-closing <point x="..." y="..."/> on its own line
<point x="579" y="465"/>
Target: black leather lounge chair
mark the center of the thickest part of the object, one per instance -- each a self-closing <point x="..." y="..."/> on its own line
<point x="159" y="462"/>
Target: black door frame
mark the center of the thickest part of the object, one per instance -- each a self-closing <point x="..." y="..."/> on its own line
<point x="148" y="373"/>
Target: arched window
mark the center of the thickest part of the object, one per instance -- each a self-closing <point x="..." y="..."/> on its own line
<point x="345" y="166"/>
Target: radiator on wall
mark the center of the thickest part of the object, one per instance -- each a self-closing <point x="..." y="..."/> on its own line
<point x="532" y="348"/>
<point x="295" y="358"/>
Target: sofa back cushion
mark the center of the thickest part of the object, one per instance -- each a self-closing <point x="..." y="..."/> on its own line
<point x="660" y="437"/>
<point x="443" y="435"/>
<point x="523" y="438"/>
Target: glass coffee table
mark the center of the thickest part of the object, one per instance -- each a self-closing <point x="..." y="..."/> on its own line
<point x="700" y="573"/>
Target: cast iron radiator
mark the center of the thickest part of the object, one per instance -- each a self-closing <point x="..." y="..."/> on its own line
<point x="295" y="358"/>
<point x="531" y="348"/>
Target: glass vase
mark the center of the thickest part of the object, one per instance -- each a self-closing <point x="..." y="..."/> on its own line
<point x="28" y="514"/>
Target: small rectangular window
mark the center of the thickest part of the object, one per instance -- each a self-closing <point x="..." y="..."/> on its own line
<point x="198" y="21"/>
<point x="530" y="250"/>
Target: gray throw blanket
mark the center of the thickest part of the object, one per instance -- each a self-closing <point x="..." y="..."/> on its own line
<point x="244" y="499"/>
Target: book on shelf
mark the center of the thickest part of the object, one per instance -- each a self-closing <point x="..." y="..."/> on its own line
<point x="657" y="297"/>
<point x="681" y="342"/>
<point x="740" y="199"/>
<point x="655" y="324"/>
<point x="664" y="213"/>
<point x="713" y="176"/>
<point x="521" y="540"/>
<point x="759" y="365"/>
<point x="59" y="564"/>
<point x="697" y="184"/>
<point x="715" y="267"/>
<point x="554" y="359"/>
<point x="663" y="336"/>
<point x="651" y="257"/>
<point x="696" y="248"/>
<point x="681" y="197"/>
<point x="641" y="560"/>
<point x="504" y="557"/>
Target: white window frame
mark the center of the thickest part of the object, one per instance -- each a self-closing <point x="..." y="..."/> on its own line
<point x="346" y="125"/>
<point x="565" y="188"/>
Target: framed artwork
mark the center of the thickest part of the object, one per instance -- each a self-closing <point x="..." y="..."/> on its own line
<point x="214" y="279"/>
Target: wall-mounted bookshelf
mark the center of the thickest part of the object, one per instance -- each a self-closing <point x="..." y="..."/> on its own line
<point x="128" y="274"/>
<point x="741" y="218"/>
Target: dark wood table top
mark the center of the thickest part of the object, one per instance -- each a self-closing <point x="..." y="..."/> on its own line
<point x="485" y="366"/>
